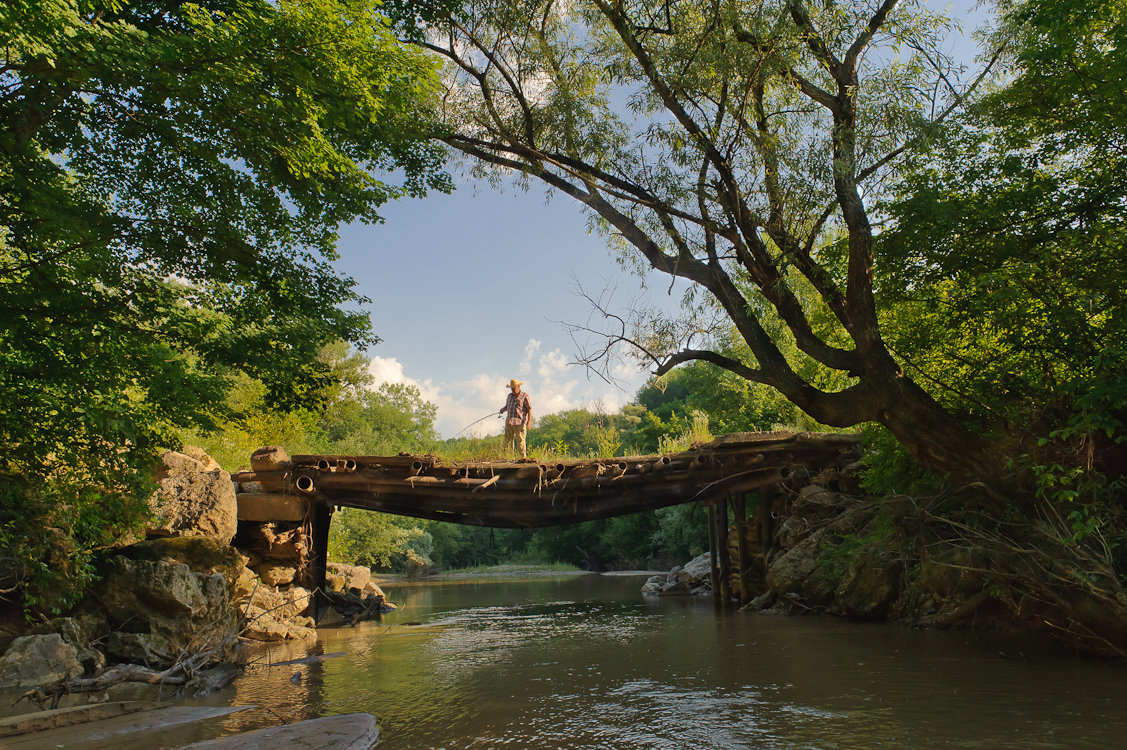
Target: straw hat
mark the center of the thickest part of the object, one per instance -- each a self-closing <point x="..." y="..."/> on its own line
<point x="514" y="382"/>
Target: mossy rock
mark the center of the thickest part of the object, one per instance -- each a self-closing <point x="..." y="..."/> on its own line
<point x="201" y="554"/>
<point x="871" y="584"/>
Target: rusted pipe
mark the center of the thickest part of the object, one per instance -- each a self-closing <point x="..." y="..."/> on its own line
<point x="701" y="462"/>
<point x="553" y="472"/>
<point x="304" y="483"/>
<point x="416" y="468"/>
<point x="661" y="464"/>
<point x="324" y="465"/>
<point x="349" y="464"/>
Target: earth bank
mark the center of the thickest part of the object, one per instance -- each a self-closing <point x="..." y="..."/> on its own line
<point x="173" y="608"/>
<point x="934" y="562"/>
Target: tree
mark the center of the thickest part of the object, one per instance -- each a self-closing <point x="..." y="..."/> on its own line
<point x="171" y="179"/>
<point x="1006" y="243"/>
<point x="738" y="145"/>
<point x="732" y="403"/>
<point x="577" y="432"/>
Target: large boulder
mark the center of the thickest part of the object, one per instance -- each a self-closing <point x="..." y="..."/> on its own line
<point x="269" y="463"/>
<point x="201" y="554"/>
<point x="350" y="576"/>
<point x="802" y="571"/>
<point x="193" y="499"/>
<point x="85" y="633"/>
<point x="179" y="609"/>
<point x="149" y="649"/>
<point x="697" y="571"/>
<point x="275" y="574"/>
<point x="694" y="578"/>
<point x="36" y="660"/>
<point x="870" y="585"/>
<point x="270" y="458"/>
<point x="209" y="463"/>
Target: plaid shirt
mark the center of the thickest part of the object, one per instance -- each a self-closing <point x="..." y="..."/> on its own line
<point x="519" y="407"/>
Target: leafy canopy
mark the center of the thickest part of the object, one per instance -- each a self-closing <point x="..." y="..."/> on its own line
<point x="739" y="146"/>
<point x="1003" y="265"/>
<point x="172" y="176"/>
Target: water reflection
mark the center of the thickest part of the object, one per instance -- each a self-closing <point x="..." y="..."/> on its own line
<point x="586" y="662"/>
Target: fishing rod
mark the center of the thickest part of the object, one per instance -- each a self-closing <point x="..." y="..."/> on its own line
<point x="471" y="424"/>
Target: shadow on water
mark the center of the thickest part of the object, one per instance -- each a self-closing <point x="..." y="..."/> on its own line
<point x="588" y="662"/>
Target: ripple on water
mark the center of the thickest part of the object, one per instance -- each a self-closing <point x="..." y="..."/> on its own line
<point x="610" y="671"/>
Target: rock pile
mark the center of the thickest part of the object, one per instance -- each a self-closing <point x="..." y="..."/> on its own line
<point x="156" y="604"/>
<point x="827" y="551"/>
<point x="352" y="596"/>
<point x="691" y="580"/>
<point x="183" y="592"/>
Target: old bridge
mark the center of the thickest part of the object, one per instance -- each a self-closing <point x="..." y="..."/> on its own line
<point x="529" y="494"/>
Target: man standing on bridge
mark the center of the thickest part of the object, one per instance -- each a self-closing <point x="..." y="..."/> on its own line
<point x="519" y="408"/>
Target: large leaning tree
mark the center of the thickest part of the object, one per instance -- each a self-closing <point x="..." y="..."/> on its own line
<point x="739" y="145"/>
<point x="172" y="177"/>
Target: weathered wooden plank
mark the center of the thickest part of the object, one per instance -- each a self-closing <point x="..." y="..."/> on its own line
<point x="271" y="506"/>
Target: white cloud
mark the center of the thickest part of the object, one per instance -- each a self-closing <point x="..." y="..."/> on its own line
<point x="552" y="363"/>
<point x="555" y="388"/>
<point x="530" y="350"/>
<point x="387" y="370"/>
<point x="627" y="372"/>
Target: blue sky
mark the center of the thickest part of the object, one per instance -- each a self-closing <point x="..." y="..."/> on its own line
<point x="471" y="289"/>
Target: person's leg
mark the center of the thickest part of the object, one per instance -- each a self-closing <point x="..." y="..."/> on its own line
<point x="510" y="433"/>
<point x="522" y="434"/>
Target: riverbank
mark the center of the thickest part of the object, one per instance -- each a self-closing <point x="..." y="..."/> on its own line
<point x="512" y="570"/>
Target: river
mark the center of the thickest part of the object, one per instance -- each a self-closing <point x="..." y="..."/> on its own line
<point x="588" y="662"/>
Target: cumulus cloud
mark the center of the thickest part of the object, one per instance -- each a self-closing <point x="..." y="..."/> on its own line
<point x="552" y="363"/>
<point x="555" y="387"/>
<point x="530" y="350"/>
<point x="387" y="370"/>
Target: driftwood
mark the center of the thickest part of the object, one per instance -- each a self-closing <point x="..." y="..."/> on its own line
<point x="179" y="673"/>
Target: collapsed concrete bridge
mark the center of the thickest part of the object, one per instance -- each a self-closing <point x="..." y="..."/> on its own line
<point x="531" y="494"/>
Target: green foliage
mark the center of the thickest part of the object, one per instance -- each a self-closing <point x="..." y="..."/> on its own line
<point x="839" y="551"/>
<point x="377" y="540"/>
<point x="171" y="179"/>
<point x="353" y="417"/>
<point x="579" y="433"/>
<point x="73" y="513"/>
<point x="1004" y="264"/>
<point x="753" y="142"/>
<point x="889" y="469"/>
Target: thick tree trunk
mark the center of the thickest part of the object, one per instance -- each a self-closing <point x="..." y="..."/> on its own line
<point x="934" y="437"/>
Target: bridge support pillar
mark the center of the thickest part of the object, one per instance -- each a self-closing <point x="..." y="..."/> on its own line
<point x="722" y="549"/>
<point x="713" y="570"/>
<point x="322" y="516"/>
<point x="720" y="562"/>
<point x="743" y="555"/>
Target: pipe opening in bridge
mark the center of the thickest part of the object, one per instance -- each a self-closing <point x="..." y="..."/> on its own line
<point x="323" y="465"/>
<point x="349" y="465"/>
<point x="304" y="484"/>
<point x="416" y="467"/>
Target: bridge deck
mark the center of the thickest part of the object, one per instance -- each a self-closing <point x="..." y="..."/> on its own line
<point x="532" y="494"/>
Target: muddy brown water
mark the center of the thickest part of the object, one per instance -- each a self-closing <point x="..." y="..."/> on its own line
<point x="588" y="662"/>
